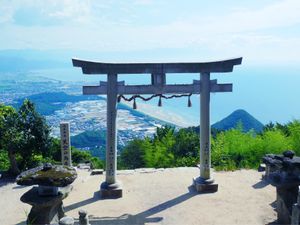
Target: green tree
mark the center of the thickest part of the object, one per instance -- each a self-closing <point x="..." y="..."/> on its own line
<point x="80" y="156"/>
<point x="187" y="144"/>
<point x="24" y="135"/>
<point x="4" y="161"/>
<point x="133" y="155"/>
<point x="97" y="163"/>
<point x="35" y="134"/>
<point x="163" y="131"/>
<point x="269" y="126"/>
<point x="294" y="137"/>
<point x="55" y="149"/>
<point x="160" y="154"/>
<point x="10" y="136"/>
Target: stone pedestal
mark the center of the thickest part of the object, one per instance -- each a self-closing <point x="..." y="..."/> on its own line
<point x="47" y="190"/>
<point x="111" y="190"/>
<point x="286" y="197"/>
<point x="283" y="172"/>
<point x="83" y="217"/>
<point x="45" y="209"/>
<point x="46" y="199"/>
<point x="205" y="186"/>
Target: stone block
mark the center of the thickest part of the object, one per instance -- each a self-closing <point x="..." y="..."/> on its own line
<point x="111" y="193"/>
<point x="111" y="190"/>
<point x="286" y="198"/>
<point x="84" y="166"/>
<point x="262" y="167"/>
<point x="145" y="170"/>
<point x="205" y="186"/>
<point x="125" y="172"/>
<point x="47" y="190"/>
<point x="66" y="221"/>
<point x="295" y="214"/>
<point x="96" y="172"/>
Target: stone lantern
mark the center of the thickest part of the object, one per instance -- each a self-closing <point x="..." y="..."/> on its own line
<point x="46" y="199"/>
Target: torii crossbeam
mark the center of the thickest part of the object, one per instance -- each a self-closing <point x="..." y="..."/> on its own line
<point x="112" y="88"/>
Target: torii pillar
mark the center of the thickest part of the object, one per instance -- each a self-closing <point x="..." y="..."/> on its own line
<point x="112" y="88"/>
<point x="111" y="187"/>
<point x="205" y="182"/>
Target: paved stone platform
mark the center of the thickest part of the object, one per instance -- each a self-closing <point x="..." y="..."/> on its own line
<point x="162" y="196"/>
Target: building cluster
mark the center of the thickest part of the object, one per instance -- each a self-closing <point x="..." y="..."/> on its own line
<point x="91" y="115"/>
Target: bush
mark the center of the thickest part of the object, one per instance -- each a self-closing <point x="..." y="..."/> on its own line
<point x="96" y="163"/>
<point x="80" y="156"/>
<point x="294" y="129"/>
<point x="133" y="155"/>
<point x="4" y="161"/>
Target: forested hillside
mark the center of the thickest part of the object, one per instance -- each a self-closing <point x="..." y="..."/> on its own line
<point x="25" y="142"/>
<point x="231" y="149"/>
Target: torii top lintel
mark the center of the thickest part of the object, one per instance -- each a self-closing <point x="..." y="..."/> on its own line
<point x="92" y="67"/>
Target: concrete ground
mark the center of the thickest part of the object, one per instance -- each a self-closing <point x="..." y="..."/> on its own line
<point x="163" y="196"/>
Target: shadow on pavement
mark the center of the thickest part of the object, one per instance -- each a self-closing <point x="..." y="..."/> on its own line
<point x="261" y="184"/>
<point x="143" y="217"/>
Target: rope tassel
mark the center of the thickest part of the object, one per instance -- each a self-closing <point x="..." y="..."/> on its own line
<point x="134" y="104"/>
<point x="159" y="102"/>
<point x="119" y="98"/>
<point x="189" y="102"/>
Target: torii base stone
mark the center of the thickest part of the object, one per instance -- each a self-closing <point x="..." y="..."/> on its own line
<point x="114" y="190"/>
<point x="205" y="186"/>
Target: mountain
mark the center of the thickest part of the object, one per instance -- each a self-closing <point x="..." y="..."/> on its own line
<point x="89" y="139"/>
<point x="48" y="102"/>
<point x="239" y="116"/>
<point x="26" y="60"/>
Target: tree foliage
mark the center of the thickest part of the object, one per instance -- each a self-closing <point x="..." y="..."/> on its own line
<point x="231" y="149"/>
<point x="24" y="136"/>
<point x="25" y="142"/>
<point x="35" y="134"/>
<point x="168" y="148"/>
<point x="10" y="136"/>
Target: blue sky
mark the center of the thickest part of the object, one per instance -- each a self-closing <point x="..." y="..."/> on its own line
<point x="266" y="33"/>
<point x="262" y="31"/>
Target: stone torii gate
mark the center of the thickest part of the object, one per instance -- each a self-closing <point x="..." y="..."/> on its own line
<point x="112" y="88"/>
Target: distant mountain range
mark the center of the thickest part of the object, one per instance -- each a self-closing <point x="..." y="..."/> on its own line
<point x="247" y="121"/>
<point x="25" y="60"/>
<point x="48" y="102"/>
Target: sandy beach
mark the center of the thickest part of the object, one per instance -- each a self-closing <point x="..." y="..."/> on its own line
<point x="162" y="196"/>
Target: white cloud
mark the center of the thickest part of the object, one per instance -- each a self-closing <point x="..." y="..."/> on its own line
<point x="76" y="10"/>
<point x="6" y="12"/>
<point x="60" y="10"/>
<point x="256" y="33"/>
<point x="143" y="2"/>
